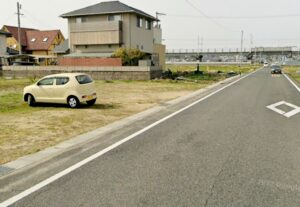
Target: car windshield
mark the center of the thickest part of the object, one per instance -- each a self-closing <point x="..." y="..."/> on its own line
<point x="84" y="79"/>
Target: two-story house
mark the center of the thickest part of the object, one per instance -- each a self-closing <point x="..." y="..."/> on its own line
<point x="13" y="42"/>
<point x="40" y="44"/>
<point x="106" y="26"/>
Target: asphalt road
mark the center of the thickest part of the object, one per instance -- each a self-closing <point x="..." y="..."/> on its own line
<point x="228" y="150"/>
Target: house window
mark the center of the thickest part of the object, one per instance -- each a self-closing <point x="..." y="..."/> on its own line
<point x="45" y="39"/>
<point x="33" y="39"/>
<point x="148" y="24"/>
<point x="114" y="17"/>
<point x="137" y="47"/>
<point x="139" y="22"/>
<point x="142" y="47"/>
<point x="80" y="20"/>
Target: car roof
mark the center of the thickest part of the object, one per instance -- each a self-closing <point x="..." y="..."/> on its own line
<point x="64" y="74"/>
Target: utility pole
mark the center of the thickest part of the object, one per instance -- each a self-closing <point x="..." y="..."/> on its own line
<point x="198" y="49"/>
<point x="251" y="47"/>
<point x="201" y="44"/>
<point x="19" y="27"/>
<point x="242" y="45"/>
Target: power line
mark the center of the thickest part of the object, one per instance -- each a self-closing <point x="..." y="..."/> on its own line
<point x="36" y="20"/>
<point x="236" y="17"/>
<point x="206" y="16"/>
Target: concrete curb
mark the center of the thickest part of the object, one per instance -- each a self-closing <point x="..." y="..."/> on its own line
<point x="51" y="152"/>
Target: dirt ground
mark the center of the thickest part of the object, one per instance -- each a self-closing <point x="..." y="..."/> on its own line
<point x="25" y="130"/>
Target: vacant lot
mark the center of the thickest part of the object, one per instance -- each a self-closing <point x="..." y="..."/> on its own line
<point x="25" y="130"/>
<point x="293" y="71"/>
<point x="207" y="72"/>
<point x="214" y="68"/>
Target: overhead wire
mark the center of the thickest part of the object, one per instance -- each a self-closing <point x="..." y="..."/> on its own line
<point x="278" y="16"/>
<point x="204" y="15"/>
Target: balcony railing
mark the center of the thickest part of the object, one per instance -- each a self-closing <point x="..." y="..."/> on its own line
<point x="96" y="26"/>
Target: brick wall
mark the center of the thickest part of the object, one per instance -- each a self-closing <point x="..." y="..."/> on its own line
<point x="84" y="61"/>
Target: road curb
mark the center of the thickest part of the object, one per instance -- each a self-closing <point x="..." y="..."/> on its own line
<point x="48" y="153"/>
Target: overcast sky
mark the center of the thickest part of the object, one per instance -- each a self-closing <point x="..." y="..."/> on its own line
<point x="187" y="22"/>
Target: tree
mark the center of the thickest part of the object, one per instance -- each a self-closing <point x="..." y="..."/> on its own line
<point x="130" y="57"/>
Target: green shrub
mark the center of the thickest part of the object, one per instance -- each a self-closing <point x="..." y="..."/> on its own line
<point x="130" y="57"/>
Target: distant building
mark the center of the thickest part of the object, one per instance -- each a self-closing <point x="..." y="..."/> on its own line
<point x="37" y="43"/>
<point x="3" y="36"/>
<point x="3" y="48"/>
<point x="107" y="26"/>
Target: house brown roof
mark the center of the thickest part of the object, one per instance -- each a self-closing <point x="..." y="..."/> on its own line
<point x="107" y="7"/>
<point x="14" y="32"/>
<point x="40" y="40"/>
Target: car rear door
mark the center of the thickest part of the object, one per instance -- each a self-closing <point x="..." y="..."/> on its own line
<point x="61" y="89"/>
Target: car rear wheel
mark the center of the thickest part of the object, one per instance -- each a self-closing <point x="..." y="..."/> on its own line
<point x="91" y="102"/>
<point x="73" y="102"/>
<point x="31" y="100"/>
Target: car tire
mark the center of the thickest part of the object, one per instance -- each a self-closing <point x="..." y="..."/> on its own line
<point x="31" y="100"/>
<point x="73" y="102"/>
<point x="91" y="102"/>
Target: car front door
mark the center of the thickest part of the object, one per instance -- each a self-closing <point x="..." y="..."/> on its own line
<point x="44" y="91"/>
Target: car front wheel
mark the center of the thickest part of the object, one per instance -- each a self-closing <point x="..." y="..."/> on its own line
<point x="73" y="102"/>
<point x="30" y="100"/>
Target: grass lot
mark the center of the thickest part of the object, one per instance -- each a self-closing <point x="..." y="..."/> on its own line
<point x="292" y="71"/>
<point x="210" y="72"/>
<point x="25" y="130"/>
<point x="214" y="68"/>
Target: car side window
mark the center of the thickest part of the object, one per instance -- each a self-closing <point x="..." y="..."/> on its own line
<point x="62" y="81"/>
<point x="84" y="79"/>
<point x="46" y="82"/>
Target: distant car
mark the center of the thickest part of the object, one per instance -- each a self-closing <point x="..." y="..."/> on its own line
<point x="276" y="69"/>
<point x="66" y="88"/>
<point x="266" y="64"/>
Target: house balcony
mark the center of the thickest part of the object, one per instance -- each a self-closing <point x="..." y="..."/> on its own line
<point x="99" y="33"/>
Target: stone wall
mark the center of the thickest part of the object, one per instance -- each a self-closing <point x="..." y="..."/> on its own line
<point x="97" y="73"/>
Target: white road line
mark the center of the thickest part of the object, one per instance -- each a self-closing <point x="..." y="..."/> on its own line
<point x="55" y="177"/>
<point x="289" y="114"/>
<point x="273" y="107"/>
<point x="292" y="82"/>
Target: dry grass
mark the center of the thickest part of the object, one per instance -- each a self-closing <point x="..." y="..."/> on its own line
<point x="26" y="130"/>
<point x="214" y="68"/>
<point x="293" y="71"/>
